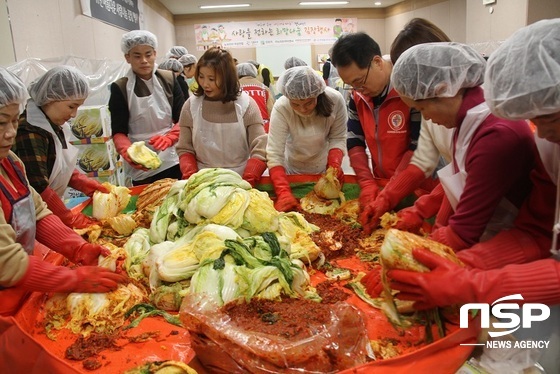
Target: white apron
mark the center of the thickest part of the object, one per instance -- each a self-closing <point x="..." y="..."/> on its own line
<point x="453" y="182"/>
<point x="307" y="146"/>
<point x="65" y="160"/>
<point x="219" y="145"/>
<point x="149" y="116"/>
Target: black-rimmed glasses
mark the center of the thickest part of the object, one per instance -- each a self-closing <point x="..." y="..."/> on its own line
<point x="362" y="83"/>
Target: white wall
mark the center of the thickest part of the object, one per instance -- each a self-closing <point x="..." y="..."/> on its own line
<point x="54" y="28"/>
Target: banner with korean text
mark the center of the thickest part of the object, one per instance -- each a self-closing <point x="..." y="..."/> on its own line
<point x="270" y="33"/>
<point x="121" y="13"/>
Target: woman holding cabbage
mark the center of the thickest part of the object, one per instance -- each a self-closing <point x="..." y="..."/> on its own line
<point x="25" y="218"/>
<point x="41" y="141"/>
<point x="307" y="131"/>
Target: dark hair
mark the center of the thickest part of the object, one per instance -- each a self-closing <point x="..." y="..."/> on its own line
<point x="324" y="105"/>
<point x="416" y="31"/>
<point x="356" y="47"/>
<point x="226" y="73"/>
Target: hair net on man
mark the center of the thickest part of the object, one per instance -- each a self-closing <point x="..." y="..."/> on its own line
<point x="12" y="89"/>
<point x="523" y="74"/>
<point x="188" y="59"/>
<point x="301" y="82"/>
<point x="431" y="70"/>
<point x="293" y="62"/>
<point x="137" y="37"/>
<point x="171" y="64"/>
<point x="176" y="52"/>
<point x="59" y="84"/>
<point x="246" y="69"/>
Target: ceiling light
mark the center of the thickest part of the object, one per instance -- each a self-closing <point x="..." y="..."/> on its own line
<point x="224" y="6"/>
<point x="324" y="3"/>
<point x="377" y="3"/>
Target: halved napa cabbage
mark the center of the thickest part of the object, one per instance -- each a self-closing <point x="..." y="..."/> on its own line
<point x="260" y="216"/>
<point x="107" y="205"/>
<point x="141" y="154"/>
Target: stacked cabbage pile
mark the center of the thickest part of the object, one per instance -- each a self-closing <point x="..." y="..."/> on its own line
<point x="213" y="233"/>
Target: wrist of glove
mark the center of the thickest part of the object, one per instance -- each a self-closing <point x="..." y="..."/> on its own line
<point x="85" y="184"/>
<point x="188" y="164"/>
<point x="334" y="160"/>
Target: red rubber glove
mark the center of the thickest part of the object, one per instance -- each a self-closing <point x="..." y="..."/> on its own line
<point x="368" y="187"/>
<point x="44" y="277"/>
<point x="55" y="204"/>
<point x="449" y="237"/>
<point x="507" y="247"/>
<point x="52" y="233"/>
<point x="412" y="218"/>
<point x="448" y="283"/>
<point x="88" y="186"/>
<point x="253" y="171"/>
<point x="188" y="164"/>
<point x="398" y="188"/>
<point x="334" y="160"/>
<point x="372" y="282"/>
<point x="122" y="143"/>
<point x="285" y="200"/>
<point x="162" y="142"/>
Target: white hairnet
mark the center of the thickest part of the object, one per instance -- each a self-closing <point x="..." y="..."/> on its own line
<point x="59" y="84"/>
<point x="301" y="82"/>
<point x="294" y="61"/>
<point x="431" y="70"/>
<point x="523" y="74"/>
<point x="246" y="69"/>
<point x="171" y="64"/>
<point x="12" y="89"/>
<point x="137" y="37"/>
<point x="188" y="59"/>
<point x="176" y="52"/>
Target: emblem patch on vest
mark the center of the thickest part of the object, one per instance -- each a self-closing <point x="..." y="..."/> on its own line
<point x="396" y="121"/>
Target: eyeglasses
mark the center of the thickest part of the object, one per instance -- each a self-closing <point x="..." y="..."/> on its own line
<point x="361" y="85"/>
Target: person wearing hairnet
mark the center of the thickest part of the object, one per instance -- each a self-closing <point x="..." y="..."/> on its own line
<point x="483" y="193"/>
<point x="307" y="131"/>
<point x="432" y="152"/>
<point x="221" y="126"/>
<point x="42" y="141"/>
<point x="177" y="68"/>
<point x="377" y="118"/>
<point x="293" y="62"/>
<point x="264" y="74"/>
<point x="25" y="218"/>
<point x="189" y="68"/>
<point x="247" y="74"/>
<point x="176" y="52"/>
<point x="145" y="105"/>
<point x="522" y="81"/>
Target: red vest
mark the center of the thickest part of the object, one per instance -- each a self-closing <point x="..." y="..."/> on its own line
<point x="260" y="94"/>
<point x="389" y="139"/>
<point x="8" y="196"/>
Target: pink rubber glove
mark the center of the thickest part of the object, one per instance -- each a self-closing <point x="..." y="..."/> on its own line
<point x="285" y="200"/>
<point x="162" y="142"/>
<point x="88" y="186"/>
<point x="56" y="206"/>
<point x="122" y="143"/>
<point x="334" y="160"/>
<point x="448" y="283"/>
<point x="253" y="171"/>
<point x="188" y="164"/>
<point x="58" y="237"/>
<point x="44" y="277"/>
<point x="398" y="188"/>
